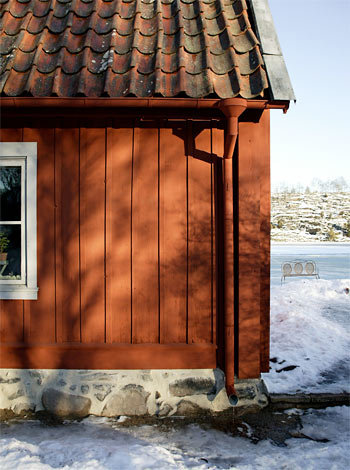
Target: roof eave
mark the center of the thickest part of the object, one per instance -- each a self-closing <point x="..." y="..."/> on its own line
<point x="280" y="84"/>
<point x="96" y="102"/>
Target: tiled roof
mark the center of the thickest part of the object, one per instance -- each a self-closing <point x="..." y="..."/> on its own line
<point x="129" y="48"/>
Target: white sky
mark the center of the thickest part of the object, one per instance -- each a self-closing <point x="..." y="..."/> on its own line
<point x="312" y="140"/>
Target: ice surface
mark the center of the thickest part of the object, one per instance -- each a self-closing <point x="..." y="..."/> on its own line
<point x="332" y="259"/>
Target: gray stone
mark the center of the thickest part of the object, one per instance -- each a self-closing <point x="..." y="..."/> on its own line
<point x="248" y="392"/>
<point x="65" y="405"/>
<point x="61" y="383"/>
<point x="94" y="377"/>
<point x="72" y="387"/>
<point x="261" y="387"/>
<point x="101" y="396"/>
<point x="9" y="381"/>
<point x="285" y="398"/>
<point x="18" y="393"/>
<point x="187" y="408"/>
<point x="164" y="411"/>
<point x="192" y="386"/>
<point x="104" y="391"/>
<point x="130" y="401"/>
<point x="101" y="387"/>
<point x="263" y="401"/>
<point x="21" y="408"/>
<point x="36" y="375"/>
<point x="84" y="389"/>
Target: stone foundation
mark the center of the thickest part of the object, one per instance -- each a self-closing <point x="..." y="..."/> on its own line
<point x="78" y="393"/>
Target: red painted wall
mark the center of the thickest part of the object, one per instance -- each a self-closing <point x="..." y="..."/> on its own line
<point x="130" y="247"/>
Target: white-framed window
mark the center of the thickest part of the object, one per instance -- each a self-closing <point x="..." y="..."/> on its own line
<point x="18" y="265"/>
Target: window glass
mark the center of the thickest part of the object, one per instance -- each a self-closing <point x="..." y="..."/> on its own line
<point x="18" y="263"/>
<point x="10" y="193"/>
<point x="10" y="252"/>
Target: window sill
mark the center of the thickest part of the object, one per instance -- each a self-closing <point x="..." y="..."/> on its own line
<point x="18" y="293"/>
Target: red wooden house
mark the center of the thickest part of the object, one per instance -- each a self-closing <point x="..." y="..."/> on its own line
<point x="137" y="222"/>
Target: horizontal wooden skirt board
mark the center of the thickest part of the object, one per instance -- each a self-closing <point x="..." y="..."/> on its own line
<point x="108" y="356"/>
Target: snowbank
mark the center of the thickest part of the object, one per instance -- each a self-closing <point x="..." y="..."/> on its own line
<point x="309" y="330"/>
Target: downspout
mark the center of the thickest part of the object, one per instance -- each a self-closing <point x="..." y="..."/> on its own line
<point x="232" y="108"/>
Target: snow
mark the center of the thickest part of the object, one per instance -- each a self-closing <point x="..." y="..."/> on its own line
<point x="104" y="444"/>
<point x="310" y="330"/>
<point x="310" y="217"/>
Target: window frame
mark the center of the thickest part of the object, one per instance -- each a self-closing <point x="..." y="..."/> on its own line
<point x="24" y="154"/>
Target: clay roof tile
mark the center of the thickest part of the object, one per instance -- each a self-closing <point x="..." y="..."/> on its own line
<point x="128" y="47"/>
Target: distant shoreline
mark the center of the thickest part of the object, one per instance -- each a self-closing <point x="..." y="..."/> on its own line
<point x="342" y="243"/>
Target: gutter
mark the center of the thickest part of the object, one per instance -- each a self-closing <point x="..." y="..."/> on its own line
<point x="193" y="103"/>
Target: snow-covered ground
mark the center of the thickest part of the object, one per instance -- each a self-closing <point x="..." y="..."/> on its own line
<point x="101" y="443"/>
<point x="310" y="323"/>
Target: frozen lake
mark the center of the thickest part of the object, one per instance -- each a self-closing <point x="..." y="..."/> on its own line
<point x="332" y="259"/>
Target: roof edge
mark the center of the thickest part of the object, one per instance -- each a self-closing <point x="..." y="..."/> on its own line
<point x="280" y="84"/>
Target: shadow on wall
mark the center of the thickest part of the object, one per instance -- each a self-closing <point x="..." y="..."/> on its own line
<point x="120" y="240"/>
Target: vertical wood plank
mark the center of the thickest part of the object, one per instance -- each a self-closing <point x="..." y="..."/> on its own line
<point x="173" y="237"/>
<point x="218" y="150"/>
<point x="249" y="143"/>
<point x="92" y="234"/>
<point x="199" y="244"/>
<point x="11" y="134"/>
<point x="145" y="291"/>
<point x="11" y="311"/>
<point x="265" y="217"/>
<point x="67" y="235"/>
<point x="118" y="235"/>
<point x="41" y="313"/>
<point x="11" y="321"/>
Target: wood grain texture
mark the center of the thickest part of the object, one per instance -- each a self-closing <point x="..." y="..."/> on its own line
<point x="199" y="243"/>
<point x="11" y="134"/>
<point x="265" y="217"/>
<point x="11" y="321"/>
<point x="249" y="141"/>
<point x="108" y="356"/>
<point x="118" y="235"/>
<point x="67" y="157"/>
<point x="41" y="313"/>
<point x="113" y="215"/>
<point x="145" y="288"/>
<point x="92" y="234"/>
<point x="217" y="150"/>
<point x="173" y="236"/>
<point x="11" y="311"/>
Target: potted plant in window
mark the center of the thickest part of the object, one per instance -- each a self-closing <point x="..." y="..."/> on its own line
<point x="4" y="243"/>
